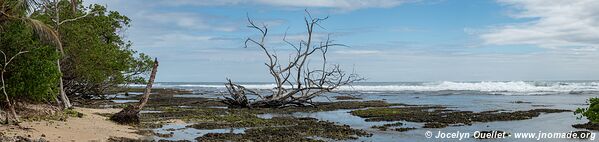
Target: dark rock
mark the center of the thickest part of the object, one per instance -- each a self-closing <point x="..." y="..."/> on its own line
<point x="588" y="126"/>
<point x="123" y="139"/>
<point x="521" y="102"/>
<point x="301" y="130"/>
<point x="385" y="126"/>
<point x="173" y="141"/>
<point x="20" y="139"/>
<point x="435" y="125"/>
<point x="382" y="128"/>
<point x="404" y="129"/>
<point x="346" y="98"/>
<point x="167" y="135"/>
<point x="575" y="92"/>
<point x="438" y="116"/>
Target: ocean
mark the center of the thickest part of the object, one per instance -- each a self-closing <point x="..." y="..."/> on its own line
<point x="492" y="87"/>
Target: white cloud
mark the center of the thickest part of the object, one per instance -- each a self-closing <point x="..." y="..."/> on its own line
<point x="358" y="52"/>
<point x="176" y="40"/>
<point x="190" y="21"/>
<point x="552" y="24"/>
<point x="144" y="14"/>
<point x="335" y="4"/>
<point x="338" y="4"/>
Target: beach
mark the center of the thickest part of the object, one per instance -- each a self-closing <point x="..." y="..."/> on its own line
<point x="90" y="127"/>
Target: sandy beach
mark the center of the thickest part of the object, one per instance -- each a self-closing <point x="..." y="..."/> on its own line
<point x="90" y="127"/>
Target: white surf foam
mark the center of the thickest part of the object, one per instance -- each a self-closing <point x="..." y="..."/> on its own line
<point x="513" y="86"/>
<point x="491" y="86"/>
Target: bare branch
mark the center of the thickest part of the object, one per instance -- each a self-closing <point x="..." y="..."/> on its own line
<point x="75" y="19"/>
<point x="13" y="57"/>
<point x="303" y="82"/>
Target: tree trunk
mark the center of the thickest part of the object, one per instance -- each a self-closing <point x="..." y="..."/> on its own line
<point x="14" y="113"/>
<point x="130" y="114"/>
<point x="63" y="96"/>
<point x="148" y="90"/>
<point x="9" y="104"/>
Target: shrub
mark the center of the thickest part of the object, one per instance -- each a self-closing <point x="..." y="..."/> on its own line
<point x="592" y="112"/>
<point x="97" y="56"/>
<point x="33" y="75"/>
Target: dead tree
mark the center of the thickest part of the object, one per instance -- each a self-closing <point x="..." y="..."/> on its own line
<point x="130" y="114"/>
<point x="10" y="105"/>
<point x="296" y="83"/>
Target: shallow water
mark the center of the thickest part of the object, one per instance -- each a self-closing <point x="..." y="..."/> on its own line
<point x="484" y="102"/>
<point x="180" y="132"/>
<point x="555" y="122"/>
<point x="555" y="95"/>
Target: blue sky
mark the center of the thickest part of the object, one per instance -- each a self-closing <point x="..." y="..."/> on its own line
<point x="389" y="40"/>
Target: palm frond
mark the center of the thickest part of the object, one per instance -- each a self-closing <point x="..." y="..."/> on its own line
<point x="44" y="32"/>
<point x="25" y="5"/>
<point x="18" y="6"/>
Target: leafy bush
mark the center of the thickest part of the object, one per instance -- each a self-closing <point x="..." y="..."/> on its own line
<point x="592" y="112"/>
<point x="97" y="56"/>
<point x="33" y="75"/>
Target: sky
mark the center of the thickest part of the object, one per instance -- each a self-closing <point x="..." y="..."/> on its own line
<point x="387" y="40"/>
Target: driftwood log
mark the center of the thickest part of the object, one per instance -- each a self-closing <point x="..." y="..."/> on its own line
<point x="296" y="82"/>
<point x="130" y="114"/>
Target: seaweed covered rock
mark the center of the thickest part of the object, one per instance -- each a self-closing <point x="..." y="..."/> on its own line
<point x="439" y="117"/>
<point x="20" y="139"/>
<point x="588" y="126"/>
<point x="386" y="126"/>
<point x="290" y="130"/>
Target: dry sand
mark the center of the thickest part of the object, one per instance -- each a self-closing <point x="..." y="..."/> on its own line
<point x="91" y="127"/>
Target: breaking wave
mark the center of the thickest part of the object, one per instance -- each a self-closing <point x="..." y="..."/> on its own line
<point x="491" y="86"/>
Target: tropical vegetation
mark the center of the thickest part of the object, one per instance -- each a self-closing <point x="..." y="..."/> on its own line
<point x="56" y="50"/>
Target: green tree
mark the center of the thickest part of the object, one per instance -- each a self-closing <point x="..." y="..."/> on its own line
<point x="96" y="56"/>
<point x="18" y="12"/>
<point x="31" y="76"/>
